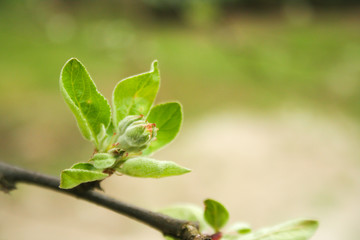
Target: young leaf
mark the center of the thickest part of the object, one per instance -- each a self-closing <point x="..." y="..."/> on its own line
<point x="215" y="214"/>
<point x="103" y="160"/>
<point x="72" y="177"/>
<point x="83" y="166"/>
<point x="151" y="168"/>
<point x="187" y="212"/>
<point x="301" y="229"/>
<point x="240" y="228"/>
<point x="91" y="109"/>
<point x="136" y="94"/>
<point x="168" y="118"/>
<point x="109" y="138"/>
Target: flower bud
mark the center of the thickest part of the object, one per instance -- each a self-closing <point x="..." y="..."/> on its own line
<point x="126" y="122"/>
<point x="137" y="135"/>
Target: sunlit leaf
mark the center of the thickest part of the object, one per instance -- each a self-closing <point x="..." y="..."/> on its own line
<point x="91" y="109"/>
<point x="103" y="160"/>
<point x="151" y="168"/>
<point x="83" y="166"/>
<point x="136" y="94"/>
<point x="72" y="177"/>
<point x="168" y="119"/>
<point x="215" y="214"/>
<point x="301" y="229"/>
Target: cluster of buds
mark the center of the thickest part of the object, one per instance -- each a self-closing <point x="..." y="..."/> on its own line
<point x="135" y="133"/>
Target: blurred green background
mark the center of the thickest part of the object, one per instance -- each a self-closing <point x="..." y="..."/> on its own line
<point x="271" y="94"/>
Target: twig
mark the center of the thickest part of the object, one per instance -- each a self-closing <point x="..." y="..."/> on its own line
<point x="184" y="230"/>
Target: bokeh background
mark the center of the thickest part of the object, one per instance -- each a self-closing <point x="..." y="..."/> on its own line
<point x="271" y="94"/>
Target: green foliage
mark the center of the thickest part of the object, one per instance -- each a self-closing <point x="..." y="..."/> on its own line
<point x="103" y="160"/>
<point x="133" y="132"/>
<point x="83" y="166"/>
<point x="240" y="228"/>
<point x="150" y="168"/>
<point x="168" y="118"/>
<point x="293" y="230"/>
<point x="80" y="173"/>
<point x="215" y="214"/>
<point x="136" y="94"/>
<point x="136" y="130"/>
<point x="91" y="109"/>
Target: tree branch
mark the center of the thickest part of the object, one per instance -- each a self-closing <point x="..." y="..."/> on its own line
<point x="10" y="175"/>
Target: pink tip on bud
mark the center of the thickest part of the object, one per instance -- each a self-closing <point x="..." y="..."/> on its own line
<point x="150" y="127"/>
<point x="135" y="134"/>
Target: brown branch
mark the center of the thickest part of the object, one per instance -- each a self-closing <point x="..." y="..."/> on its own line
<point x="184" y="230"/>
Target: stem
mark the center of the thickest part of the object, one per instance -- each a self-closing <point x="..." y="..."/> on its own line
<point x="10" y="175"/>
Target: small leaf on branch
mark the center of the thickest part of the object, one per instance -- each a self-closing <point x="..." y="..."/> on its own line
<point x="91" y="109"/>
<point x="83" y="166"/>
<point x="80" y="173"/>
<point x="168" y="119"/>
<point x="136" y="94"/>
<point x="301" y="229"/>
<point x="151" y="168"/>
<point x="216" y="215"/>
<point x="240" y="228"/>
<point x="103" y="160"/>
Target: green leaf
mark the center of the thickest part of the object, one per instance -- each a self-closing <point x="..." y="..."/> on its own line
<point x="187" y="212"/>
<point x="136" y="94"/>
<point x="168" y="119"/>
<point x="106" y="143"/>
<point x="301" y="229"/>
<point x="151" y="168"/>
<point x="103" y="160"/>
<point x="215" y="214"/>
<point x="80" y="173"/>
<point x="240" y="228"/>
<point x="91" y="109"/>
<point x="83" y="166"/>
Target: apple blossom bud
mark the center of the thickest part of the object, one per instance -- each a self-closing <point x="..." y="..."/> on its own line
<point x="126" y="122"/>
<point x="135" y="134"/>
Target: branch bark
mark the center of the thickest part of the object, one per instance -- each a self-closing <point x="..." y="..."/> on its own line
<point x="184" y="230"/>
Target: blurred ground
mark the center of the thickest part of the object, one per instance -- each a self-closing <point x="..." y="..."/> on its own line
<point x="271" y="106"/>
